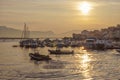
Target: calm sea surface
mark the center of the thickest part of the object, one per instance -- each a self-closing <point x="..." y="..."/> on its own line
<point x="15" y="64"/>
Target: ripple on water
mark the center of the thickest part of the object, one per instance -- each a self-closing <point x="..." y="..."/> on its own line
<point x="55" y="65"/>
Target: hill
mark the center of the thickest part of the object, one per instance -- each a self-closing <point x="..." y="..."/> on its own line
<point x="10" y="32"/>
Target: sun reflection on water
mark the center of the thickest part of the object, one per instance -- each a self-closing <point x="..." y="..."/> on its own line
<point x="84" y="64"/>
<point x="82" y="50"/>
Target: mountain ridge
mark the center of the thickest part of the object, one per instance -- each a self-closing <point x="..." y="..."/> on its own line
<point x="11" y="32"/>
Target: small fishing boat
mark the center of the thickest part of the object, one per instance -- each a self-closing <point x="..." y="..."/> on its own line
<point x="118" y="50"/>
<point x="59" y="52"/>
<point x="15" y="46"/>
<point x="38" y="57"/>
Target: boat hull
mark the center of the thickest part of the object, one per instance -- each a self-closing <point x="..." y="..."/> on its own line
<point x="118" y="50"/>
<point x="39" y="58"/>
<point x="60" y="52"/>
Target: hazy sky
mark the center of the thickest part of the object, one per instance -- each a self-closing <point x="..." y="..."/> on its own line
<point x="59" y="15"/>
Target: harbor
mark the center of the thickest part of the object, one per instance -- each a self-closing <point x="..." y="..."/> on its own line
<point x="74" y="58"/>
<point x="91" y="58"/>
<point x="59" y="39"/>
<point x="95" y="40"/>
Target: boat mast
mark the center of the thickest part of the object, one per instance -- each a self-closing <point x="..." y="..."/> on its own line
<point x="25" y="31"/>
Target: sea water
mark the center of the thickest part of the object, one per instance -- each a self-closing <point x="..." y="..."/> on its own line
<point x="15" y="64"/>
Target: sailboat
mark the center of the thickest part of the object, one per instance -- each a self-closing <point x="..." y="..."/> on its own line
<point x="25" y="40"/>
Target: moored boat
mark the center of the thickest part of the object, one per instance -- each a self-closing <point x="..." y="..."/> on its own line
<point x="39" y="57"/>
<point x="59" y="52"/>
<point x="15" y="46"/>
<point x="118" y="50"/>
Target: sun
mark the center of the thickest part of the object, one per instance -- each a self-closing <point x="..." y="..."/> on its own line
<point x="85" y="7"/>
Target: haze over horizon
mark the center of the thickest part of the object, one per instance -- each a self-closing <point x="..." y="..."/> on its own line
<point x="59" y="15"/>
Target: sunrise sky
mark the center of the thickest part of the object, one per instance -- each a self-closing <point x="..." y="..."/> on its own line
<point x="59" y="15"/>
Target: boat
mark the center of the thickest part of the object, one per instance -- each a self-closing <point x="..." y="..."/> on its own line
<point x="26" y="41"/>
<point x="59" y="52"/>
<point x="118" y="50"/>
<point x="38" y="57"/>
<point x="97" y="44"/>
<point x="15" y="46"/>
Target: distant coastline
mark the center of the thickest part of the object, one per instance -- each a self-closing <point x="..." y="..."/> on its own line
<point x="6" y="32"/>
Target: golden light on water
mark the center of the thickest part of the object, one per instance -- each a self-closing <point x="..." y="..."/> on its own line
<point x="86" y="66"/>
<point x="84" y="59"/>
<point x="85" y="7"/>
